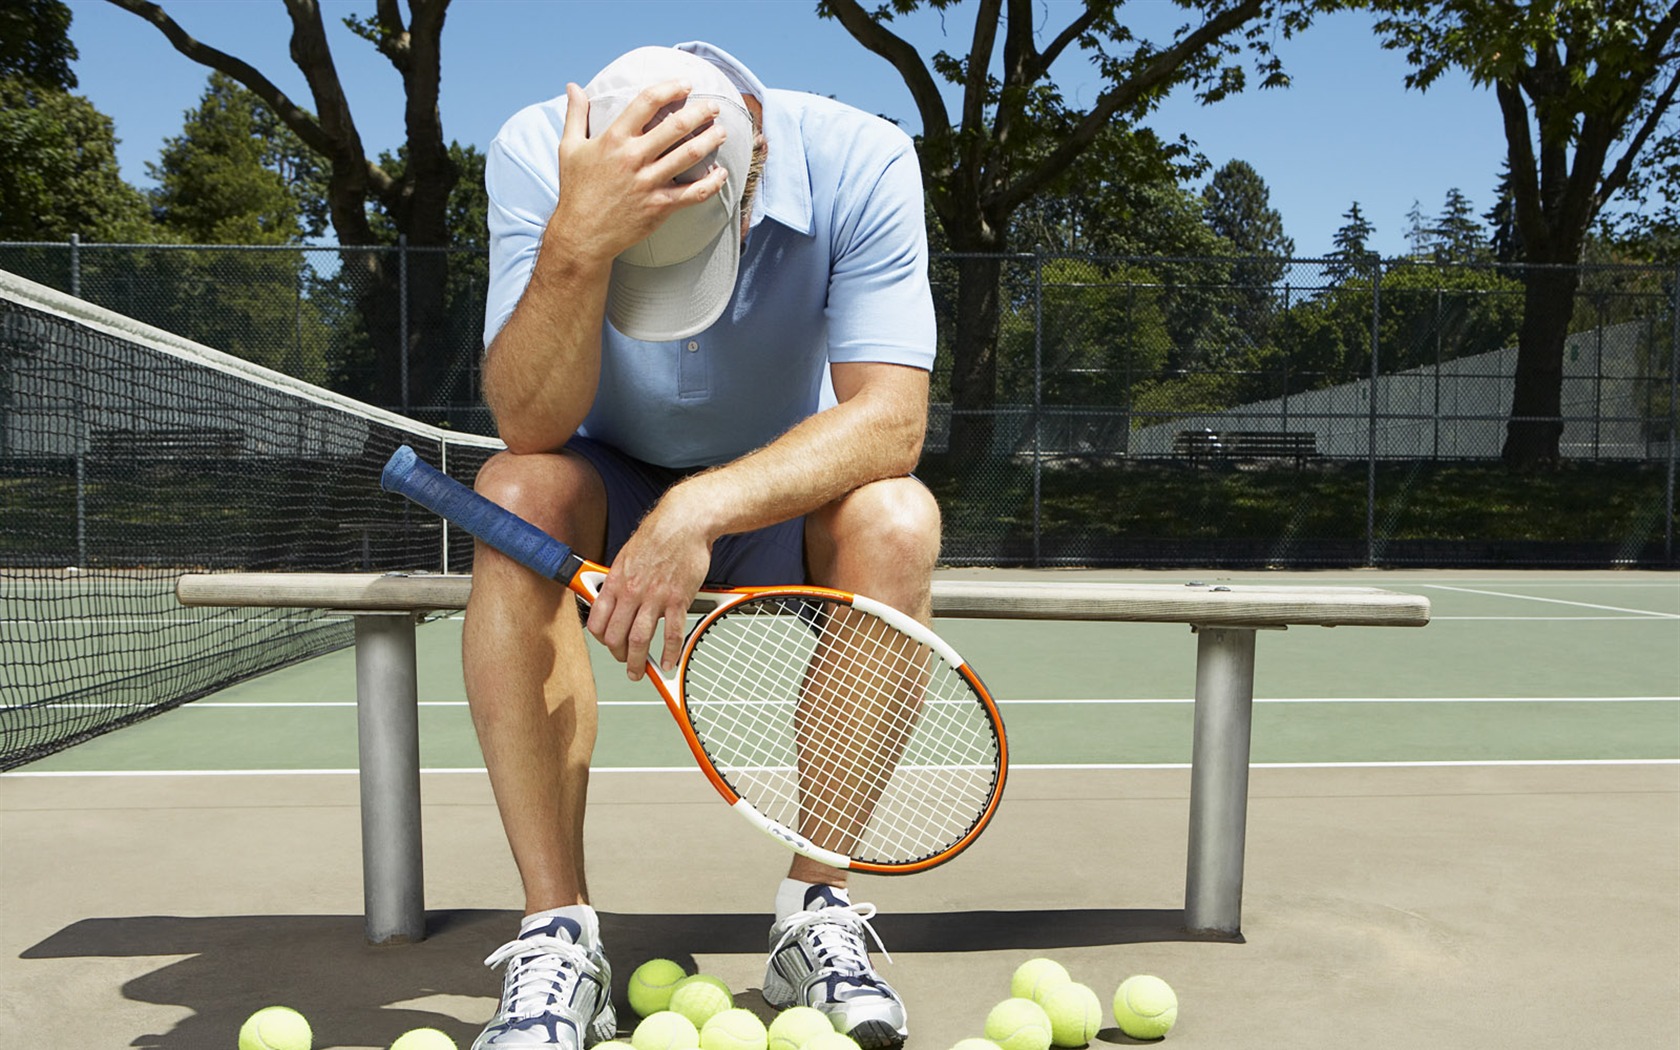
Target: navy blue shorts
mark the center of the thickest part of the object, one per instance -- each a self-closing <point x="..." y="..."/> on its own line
<point x="764" y="557"/>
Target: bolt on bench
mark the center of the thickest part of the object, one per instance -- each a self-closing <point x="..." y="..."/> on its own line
<point x="1225" y="619"/>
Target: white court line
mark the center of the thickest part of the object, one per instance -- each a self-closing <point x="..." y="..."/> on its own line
<point x="1556" y="601"/>
<point x="1014" y="767"/>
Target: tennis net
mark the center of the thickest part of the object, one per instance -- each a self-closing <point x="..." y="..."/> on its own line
<point x="129" y="455"/>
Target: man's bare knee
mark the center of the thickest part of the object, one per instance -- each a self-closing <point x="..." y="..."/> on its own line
<point x="558" y="493"/>
<point x="893" y="522"/>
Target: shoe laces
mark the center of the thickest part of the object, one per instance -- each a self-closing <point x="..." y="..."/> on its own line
<point x="836" y="935"/>
<point x="541" y="970"/>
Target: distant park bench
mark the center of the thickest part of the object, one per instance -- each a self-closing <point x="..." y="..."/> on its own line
<point x="1205" y="444"/>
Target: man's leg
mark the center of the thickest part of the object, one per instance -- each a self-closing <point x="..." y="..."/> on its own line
<point x="532" y="697"/>
<point x="881" y="540"/>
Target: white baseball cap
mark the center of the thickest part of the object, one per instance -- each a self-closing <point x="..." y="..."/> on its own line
<point x="679" y="279"/>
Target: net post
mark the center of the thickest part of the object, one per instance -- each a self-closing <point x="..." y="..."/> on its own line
<point x="388" y="741"/>
<point x="1219" y="781"/>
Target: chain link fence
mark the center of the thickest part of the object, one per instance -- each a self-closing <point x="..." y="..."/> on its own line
<point x="1151" y="411"/>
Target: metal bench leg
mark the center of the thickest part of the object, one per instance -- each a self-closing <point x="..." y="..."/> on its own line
<point x="388" y="736"/>
<point x="1219" y="780"/>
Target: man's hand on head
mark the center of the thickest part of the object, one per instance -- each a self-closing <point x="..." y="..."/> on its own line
<point x="618" y="187"/>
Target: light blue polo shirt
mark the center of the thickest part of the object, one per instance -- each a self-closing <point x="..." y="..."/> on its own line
<point x="834" y="270"/>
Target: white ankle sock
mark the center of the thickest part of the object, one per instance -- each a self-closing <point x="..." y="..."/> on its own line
<point x="790" y="897"/>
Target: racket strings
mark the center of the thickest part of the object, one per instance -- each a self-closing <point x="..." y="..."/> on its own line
<point x="833" y="722"/>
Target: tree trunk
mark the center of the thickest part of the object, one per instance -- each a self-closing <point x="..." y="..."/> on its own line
<point x="1536" y="426"/>
<point x="974" y="357"/>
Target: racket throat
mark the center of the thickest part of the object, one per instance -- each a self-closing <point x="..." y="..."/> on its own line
<point x="791" y="839"/>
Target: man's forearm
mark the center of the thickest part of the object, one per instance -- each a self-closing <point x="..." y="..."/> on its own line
<point x="541" y="370"/>
<point x="875" y="434"/>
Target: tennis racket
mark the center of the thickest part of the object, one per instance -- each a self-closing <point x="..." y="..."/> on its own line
<point x="837" y="725"/>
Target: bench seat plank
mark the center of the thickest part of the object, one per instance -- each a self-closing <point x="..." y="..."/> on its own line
<point x="1246" y="605"/>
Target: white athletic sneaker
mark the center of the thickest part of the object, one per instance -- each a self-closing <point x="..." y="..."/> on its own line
<point x="818" y="958"/>
<point x="557" y="990"/>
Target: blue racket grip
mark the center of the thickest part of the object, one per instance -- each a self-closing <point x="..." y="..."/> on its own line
<point x="407" y="475"/>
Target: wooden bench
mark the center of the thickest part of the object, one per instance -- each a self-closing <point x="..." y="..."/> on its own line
<point x="1298" y="445"/>
<point x="1225" y="619"/>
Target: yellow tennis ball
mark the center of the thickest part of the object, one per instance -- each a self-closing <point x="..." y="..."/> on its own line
<point x="734" y="1029"/>
<point x="651" y="986"/>
<point x="424" y="1039"/>
<point x="700" y="999"/>
<point x="276" y="1028"/>
<point x="1018" y="1024"/>
<point x="1037" y="976"/>
<point x="831" y="1040"/>
<point x="715" y="982"/>
<point x="1145" y="1007"/>
<point x="1075" y="1013"/>
<point x="793" y="1028"/>
<point x="665" y="1030"/>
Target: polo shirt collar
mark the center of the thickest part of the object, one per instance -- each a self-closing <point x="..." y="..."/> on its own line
<point x="784" y="191"/>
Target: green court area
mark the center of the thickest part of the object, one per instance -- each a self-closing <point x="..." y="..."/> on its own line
<point x="1513" y="668"/>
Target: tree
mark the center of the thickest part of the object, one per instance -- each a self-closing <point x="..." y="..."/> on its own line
<point x="1014" y="135"/>
<point x="417" y="201"/>
<point x="217" y="181"/>
<point x="1350" y="253"/>
<point x="1420" y="239"/>
<point x="1237" y="206"/>
<point x="1503" y="237"/>
<point x="58" y="169"/>
<point x="35" y="43"/>
<point x="58" y="159"/>
<point x="1576" y="82"/>
<point x="1458" y="237"/>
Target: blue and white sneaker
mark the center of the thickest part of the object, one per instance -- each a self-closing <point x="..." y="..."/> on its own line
<point x="818" y="958"/>
<point x="557" y="989"/>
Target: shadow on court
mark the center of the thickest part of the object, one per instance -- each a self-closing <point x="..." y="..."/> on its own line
<point x="358" y="995"/>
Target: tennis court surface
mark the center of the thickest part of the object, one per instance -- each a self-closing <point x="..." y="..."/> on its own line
<point x="1461" y="836"/>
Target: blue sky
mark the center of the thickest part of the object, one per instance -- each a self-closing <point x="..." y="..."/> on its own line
<point x="1348" y="129"/>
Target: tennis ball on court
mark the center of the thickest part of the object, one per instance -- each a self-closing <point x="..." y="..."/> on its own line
<point x="665" y="1030"/>
<point x="715" y="982"/>
<point x="276" y="1028"/>
<point x="651" y="986"/>
<point x="1075" y="1013"/>
<point x="734" y="1029"/>
<point x="1145" y="1007"/>
<point x="831" y="1040"/>
<point x="700" y="999"/>
<point x="793" y="1028"/>
<point x="1019" y="1024"/>
<point x="424" y="1039"/>
<point x="1037" y="976"/>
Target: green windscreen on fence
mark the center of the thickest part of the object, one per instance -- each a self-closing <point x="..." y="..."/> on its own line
<point x="129" y="456"/>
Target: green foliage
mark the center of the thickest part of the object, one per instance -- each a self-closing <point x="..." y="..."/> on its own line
<point x="58" y="170"/>
<point x="35" y="43"/>
<point x="1238" y="208"/>
<point x="234" y="175"/>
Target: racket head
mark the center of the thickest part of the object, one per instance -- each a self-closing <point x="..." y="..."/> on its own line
<point x="845" y="723"/>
